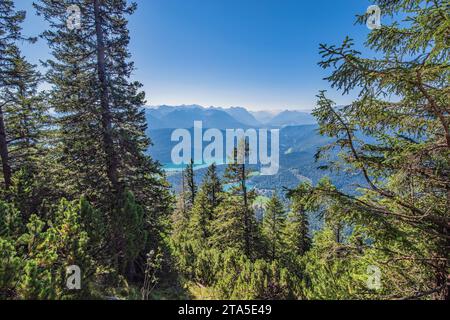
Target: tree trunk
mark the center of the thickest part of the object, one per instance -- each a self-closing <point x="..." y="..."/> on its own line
<point x="4" y="155"/>
<point x="108" y="141"/>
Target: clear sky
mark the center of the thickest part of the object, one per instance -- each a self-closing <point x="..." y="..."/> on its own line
<point x="259" y="54"/>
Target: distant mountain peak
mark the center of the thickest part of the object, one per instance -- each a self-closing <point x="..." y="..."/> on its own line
<point x="183" y="116"/>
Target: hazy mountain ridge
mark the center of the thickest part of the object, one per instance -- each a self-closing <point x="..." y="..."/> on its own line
<point x="292" y="118"/>
<point x="265" y="116"/>
<point x="171" y="117"/>
<point x="242" y="115"/>
<point x="298" y="143"/>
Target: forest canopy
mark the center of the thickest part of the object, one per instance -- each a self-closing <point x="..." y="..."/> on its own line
<point x="78" y="188"/>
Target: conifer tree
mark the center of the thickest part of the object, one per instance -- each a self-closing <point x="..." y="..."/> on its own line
<point x="212" y="185"/>
<point x="101" y="121"/>
<point x="20" y="112"/>
<point x="28" y="126"/>
<point x="189" y="186"/>
<point x="101" y="117"/>
<point x="207" y="200"/>
<point x="25" y="115"/>
<point x="273" y="227"/>
<point x="297" y="225"/>
<point x="405" y="164"/>
<point x="236" y="175"/>
<point x="200" y="218"/>
<point x="228" y="229"/>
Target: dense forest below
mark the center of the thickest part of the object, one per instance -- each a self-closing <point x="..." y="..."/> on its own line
<point x="79" y="188"/>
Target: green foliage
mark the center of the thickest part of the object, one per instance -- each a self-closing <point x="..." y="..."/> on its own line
<point x="79" y="188"/>
<point x="51" y="248"/>
<point x="229" y="226"/>
<point x="236" y="213"/>
<point x="22" y="113"/>
<point x="296" y="231"/>
<point x="34" y="261"/>
<point x="129" y="224"/>
<point x="212" y="185"/>
<point x="99" y="142"/>
<point x="273" y="228"/>
<point x="189" y="186"/>
<point x="240" y="278"/>
<point x="201" y="217"/>
<point x="9" y="268"/>
<point x="404" y="205"/>
<point x="331" y="272"/>
<point x="10" y="221"/>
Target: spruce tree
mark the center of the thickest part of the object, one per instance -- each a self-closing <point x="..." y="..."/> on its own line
<point x="20" y="112"/>
<point x="25" y="115"/>
<point x="101" y="121"/>
<point x="200" y="218"/>
<point x="212" y="185"/>
<point x="297" y="226"/>
<point x="189" y="186"/>
<point x="404" y="203"/>
<point x="273" y="227"/>
<point x="228" y="228"/>
<point x="28" y="125"/>
<point x="207" y="200"/>
<point x="236" y="176"/>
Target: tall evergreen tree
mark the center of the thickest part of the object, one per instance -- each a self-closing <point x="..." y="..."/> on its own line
<point x="273" y="227"/>
<point x="28" y="132"/>
<point x="26" y="116"/>
<point x="189" y="186"/>
<point x="206" y="202"/>
<point x="201" y="218"/>
<point x="100" y="116"/>
<point x="228" y="228"/>
<point x="17" y="91"/>
<point x="297" y="225"/>
<point x="100" y="109"/>
<point x="212" y="185"/>
<point x="236" y="175"/>
<point x="406" y="163"/>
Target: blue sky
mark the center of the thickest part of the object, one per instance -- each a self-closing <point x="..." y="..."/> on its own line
<point x="259" y="54"/>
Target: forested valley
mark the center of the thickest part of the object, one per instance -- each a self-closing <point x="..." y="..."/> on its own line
<point x="77" y="187"/>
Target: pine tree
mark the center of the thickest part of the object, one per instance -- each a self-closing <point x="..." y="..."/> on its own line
<point x="273" y="227"/>
<point x="26" y="116"/>
<point x="130" y="235"/>
<point x="49" y="249"/>
<point x="28" y="132"/>
<point x="189" y="186"/>
<point x="404" y="203"/>
<point x="200" y="218"/>
<point x="100" y="119"/>
<point x="236" y="175"/>
<point x="212" y="185"/>
<point x="75" y="96"/>
<point x="20" y="112"/>
<point x="207" y="200"/>
<point x="228" y="229"/>
<point x="297" y="226"/>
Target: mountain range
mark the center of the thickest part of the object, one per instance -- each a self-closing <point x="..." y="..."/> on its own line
<point x="299" y="142"/>
<point x="173" y="117"/>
